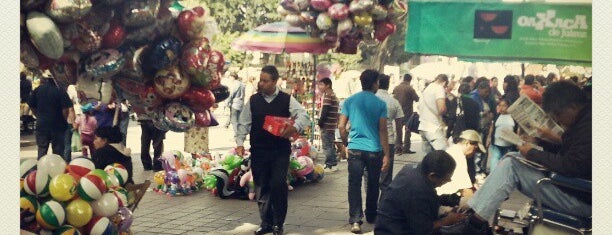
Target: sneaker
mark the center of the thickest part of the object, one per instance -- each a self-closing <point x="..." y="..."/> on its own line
<point x="330" y="169"/>
<point x="356" y="228"/>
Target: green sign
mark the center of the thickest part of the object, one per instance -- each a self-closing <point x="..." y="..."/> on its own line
<point x="501" y="31"/>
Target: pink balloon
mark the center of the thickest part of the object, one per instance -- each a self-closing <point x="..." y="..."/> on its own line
<point x="320" y="5"/>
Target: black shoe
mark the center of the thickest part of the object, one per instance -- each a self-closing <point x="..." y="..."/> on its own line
<point x="263" y="230"/>
<point x="277" y="230"/>
<point x="409" y="151"/>
<point x="371" y="219"/>
<point x="147" y="168"/>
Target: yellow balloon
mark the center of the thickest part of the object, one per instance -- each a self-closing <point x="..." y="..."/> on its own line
<point x="62" y="187"/>
<point x="78" y="213"/>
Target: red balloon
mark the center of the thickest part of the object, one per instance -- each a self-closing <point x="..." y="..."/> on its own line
<point x="199" y="99"/>
<point x="203" y="119"/>
<point x="114" y="37"/>
<point x="191" y="23"/>
<point x="64" y="71"/>
<point x="383" y="29"/>
<point x="150" y="98"/>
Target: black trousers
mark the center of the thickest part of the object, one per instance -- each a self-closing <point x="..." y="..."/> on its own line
<point x="154" y="136"/>
<point x="270" y="176"/>
<point x="53" y="137"/>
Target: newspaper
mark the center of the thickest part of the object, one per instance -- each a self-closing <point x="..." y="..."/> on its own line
<point x="530" y="116"/>
<point x="508" y="135"/>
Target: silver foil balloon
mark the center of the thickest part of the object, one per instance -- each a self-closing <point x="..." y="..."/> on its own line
<point x="139" y="13"/>
<point x="105" y="63"/>
<point x="67" y="10"/>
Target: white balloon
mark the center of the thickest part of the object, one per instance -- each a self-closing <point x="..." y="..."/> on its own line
<point x="51" y="164"/>
<point x="106" y="206"/>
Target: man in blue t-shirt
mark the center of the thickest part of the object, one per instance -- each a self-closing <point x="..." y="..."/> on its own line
<point x="368" y="146"/>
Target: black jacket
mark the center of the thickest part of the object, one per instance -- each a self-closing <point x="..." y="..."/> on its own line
<point x="114" y="153"/>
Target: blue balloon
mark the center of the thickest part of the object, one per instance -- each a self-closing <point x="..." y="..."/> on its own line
<point x="164" y="53"/>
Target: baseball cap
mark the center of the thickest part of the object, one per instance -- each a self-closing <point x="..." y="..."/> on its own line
<point x="473" y="136"/>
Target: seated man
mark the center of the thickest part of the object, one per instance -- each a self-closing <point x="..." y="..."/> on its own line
<point x="109" y="150"/>
<point x="568" y="106"/>
<point x="463" y="151"/>
<point x="410" y="204"/>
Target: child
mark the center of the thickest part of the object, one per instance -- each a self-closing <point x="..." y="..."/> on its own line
<point x="498" y="147"/>
<point x="109" y="150"/>
<point x="87" y="124"/>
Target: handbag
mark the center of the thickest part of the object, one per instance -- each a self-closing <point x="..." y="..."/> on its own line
<point x="413" y="122"/>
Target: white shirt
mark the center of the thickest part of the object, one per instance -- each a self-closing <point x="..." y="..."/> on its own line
<point x="429" y="116"/>
<point x="394" y="111"/>
<point x="504" y="121"/>
<point x="461" y="178"/>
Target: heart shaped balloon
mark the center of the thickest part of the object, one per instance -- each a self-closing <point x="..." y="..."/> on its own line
<point x="194" y="61"/>
<point x="150" y="98"/>
<point x="191" y="23"/>
<point x="199" y="99"/>
<point x="170" y="84"/>
<point x="164" y="53"/>
<point x="383" y="29"/>
<point x="64" y="11"/>
<point x="221" y="93"/>
<point x="320" y="5"/>
<point x="114" y="37"/>
<point x="104" y="63"/>
<point x="202" y="119"/>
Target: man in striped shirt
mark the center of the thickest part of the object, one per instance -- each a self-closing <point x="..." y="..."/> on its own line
<point x="328" y="121"/>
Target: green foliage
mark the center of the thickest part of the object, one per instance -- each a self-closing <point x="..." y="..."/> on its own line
<point x="222" y="42"/>
<point x="241" y="16"/>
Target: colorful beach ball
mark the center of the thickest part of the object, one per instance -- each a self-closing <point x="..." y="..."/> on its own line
<point x="100" y="225"/>
<point x="102" y="175"/>
<point x="51" y="164"/>
<point x="66" y="230"/>
<point x="36" y="184"/>
<point x="62" y="187"/>
<point x="78" y="213"/>
<point x="107" y="205"/>
<point x="122" y="196"/>
<point x="118" y="171"/>
<point x="91" y="187"/>
<point x="26" y="166"/>
<point x="81" y="166"/>
<point x="51" y="215"/>
<point x="28" y="205"/>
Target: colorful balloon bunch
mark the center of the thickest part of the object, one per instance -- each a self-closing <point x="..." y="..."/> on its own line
<point x="302" y="168"/>
<point x="343" y="24"/>
<point x="154" y="52"/>
<point x="74" y="198"/>
<point x="232" y="177"/>
<point x="182" y="174"/>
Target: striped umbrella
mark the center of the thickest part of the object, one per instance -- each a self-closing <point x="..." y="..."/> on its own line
<point x="279" y="37"/>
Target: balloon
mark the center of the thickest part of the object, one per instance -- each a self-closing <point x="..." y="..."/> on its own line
<point x="88" y="40"/>
<point x="139" y="13"/>
<point x="149" y="97"/>
<point x="362" y="19"/>
<point x="45" y="35"/>
<point x="62" y="187"/>
<point x="133" y="66"/>
<point x="191" y="23"/>
<point x="199" y="99"/>
<point x="102" y="175"/>
<point x="114" y="37"/>
<point x="28" y="55"/>
<point x="383" y="29"/>
<point x="99" y="225"/>
<point x="170" y="84"/>
<point x="378" y="12"/>
<point x="67" y="230"/>
<point x="65" y="11"/>
<point x="324" y="21"/>
<point x="51" y="164"/>
<point x="64" y="71"/>
<point x="397" y="10"/>
<point x="78" y="212"/>
<point x="338" y="11"/>
<point x="105" y="63"/>
<point x="293" y="20"/>
<point x="307" y="166"/>
<point x="26" y="166"/>
<point x="309" y="17"/>
<point x="119" y="171"/>
<point x="31" y="4"/>
<point x="194" y="61"/>
<point x="51" y="215"/>
<point x="355" y="7"/>
<point x="81" y="166"/>
<point x="282" y="11"/>
<point x="160" y="28"/>
<point x="320" y="5"/>
<point x="122" y="196"/>
<point x="289" y="5"/>
<point x="178" y="117"/>
<point x="221" y="93"/>
<point x="106" y="205"/>
<point x="344" y="27"/>
<point x="366" y="4"/>
<point x="349" y="43"/>
<point x="37" y="184"/>
<point x="98" y="89"/>
<point x="99" y="18"/>
<point x="126" y="219"/>
<point x="202" y="119"/>
<point x="91" y="187"/>
<point x="28" y="205"/>
<point x="164" y="53"/>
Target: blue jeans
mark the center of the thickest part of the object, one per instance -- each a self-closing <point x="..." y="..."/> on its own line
<point x="497" y="152"/>
<point x="386" y="177"/>
<point x="234" y="115"/>
<point x="511" y="174"/>
<point x="359" y="160"/>
<point x="327" y="141"/>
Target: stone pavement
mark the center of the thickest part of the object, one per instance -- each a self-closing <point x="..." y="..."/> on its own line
<point x="315" y="208"/>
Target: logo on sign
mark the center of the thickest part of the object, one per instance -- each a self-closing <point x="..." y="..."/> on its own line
<point x="557" y="27"/>
<point x="493" y="24"/>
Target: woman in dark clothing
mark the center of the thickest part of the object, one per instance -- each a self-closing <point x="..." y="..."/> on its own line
<point x="511" y="91"/>
<point x="109" y="150"/>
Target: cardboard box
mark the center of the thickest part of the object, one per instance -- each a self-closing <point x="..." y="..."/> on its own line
<point x="276" y="125"/>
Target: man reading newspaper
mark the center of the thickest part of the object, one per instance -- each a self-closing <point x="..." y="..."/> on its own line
<point x="567" y="105"/>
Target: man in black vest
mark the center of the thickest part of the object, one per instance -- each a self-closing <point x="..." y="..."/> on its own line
<point x="270" y="153"/>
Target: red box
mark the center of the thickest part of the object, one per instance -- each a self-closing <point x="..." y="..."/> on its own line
<point x="276" y="125"/>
